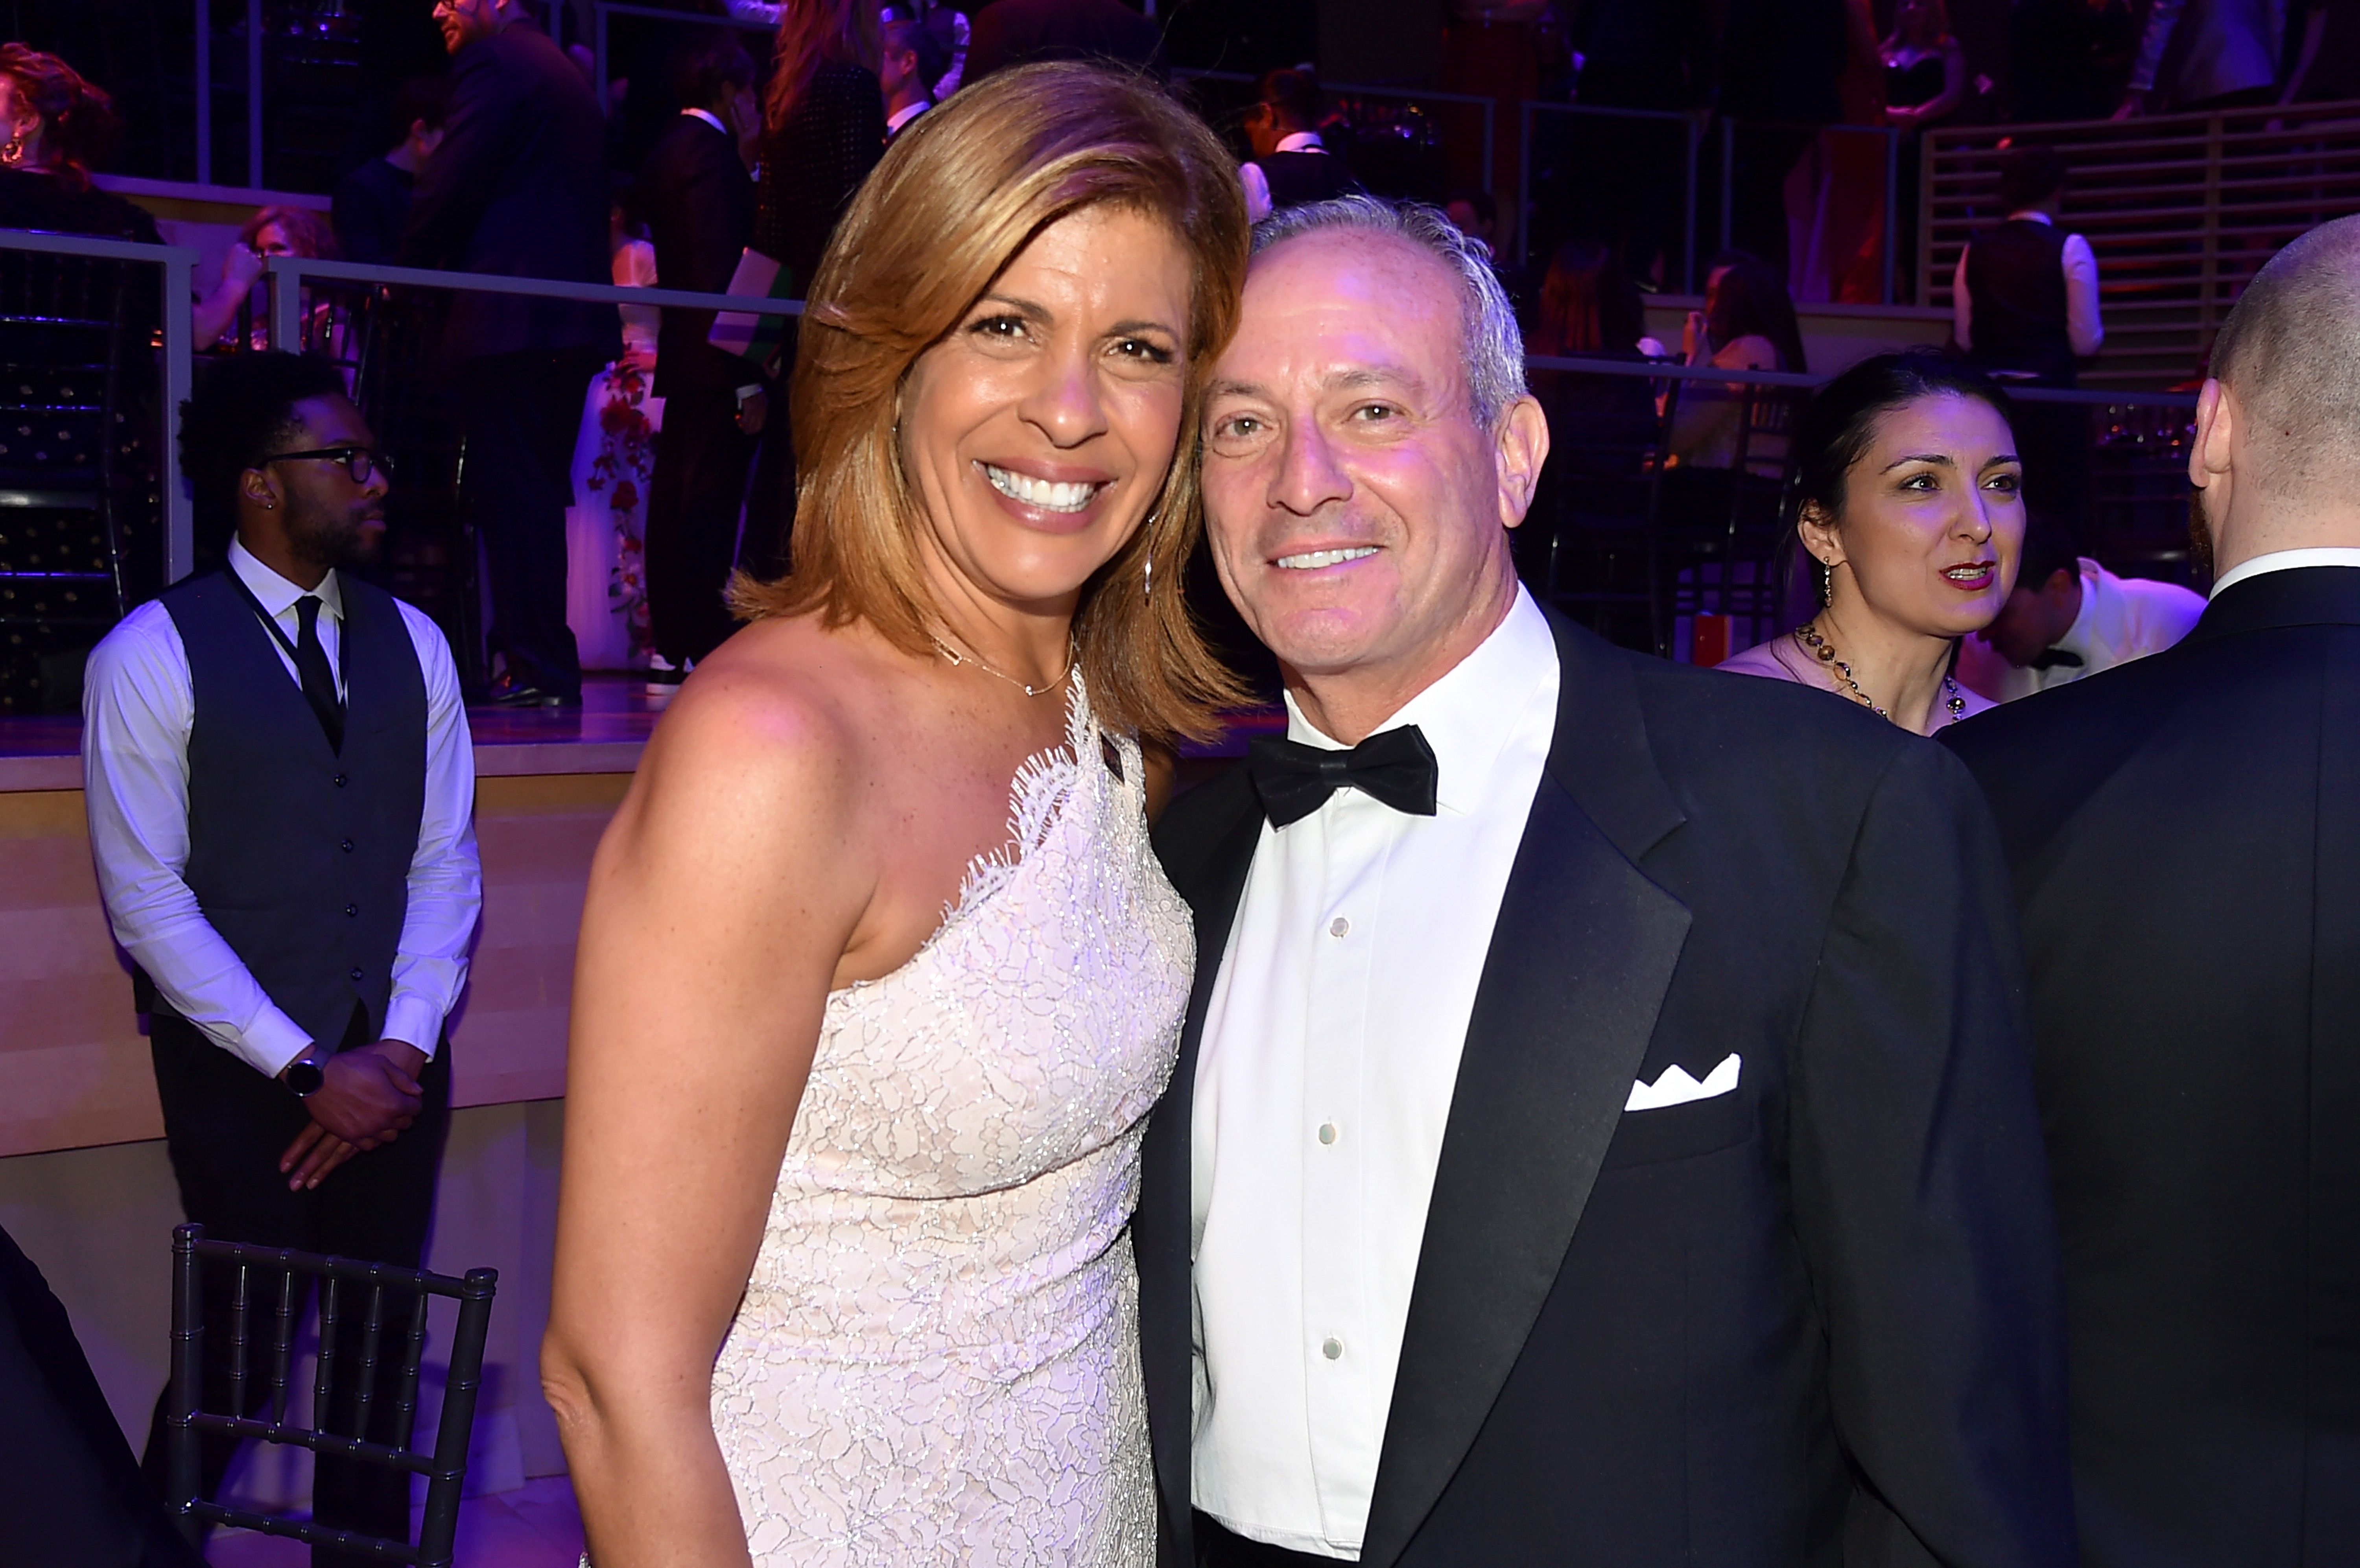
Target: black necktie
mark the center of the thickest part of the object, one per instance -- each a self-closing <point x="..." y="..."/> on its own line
<point x="1395" y="766"/>
<point x="2051" y="657"/>
<point x="311" y="669"/>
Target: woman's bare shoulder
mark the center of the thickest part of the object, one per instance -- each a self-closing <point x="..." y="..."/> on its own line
<point x="786" y="708"/>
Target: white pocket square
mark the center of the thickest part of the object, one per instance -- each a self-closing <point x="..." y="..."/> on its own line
<point x="1677" y="1088"/>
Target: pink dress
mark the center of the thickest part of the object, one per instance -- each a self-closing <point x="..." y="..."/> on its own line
<point x="936" y="1360"/>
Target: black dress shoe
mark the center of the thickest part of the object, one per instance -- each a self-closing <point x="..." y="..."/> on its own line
<point x="507" y="693"/>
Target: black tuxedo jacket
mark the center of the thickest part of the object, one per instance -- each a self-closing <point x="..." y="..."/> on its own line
<point x="1814" y="1321"/>
<point x="2185" y="836"/>
<point x="518" y="186"/>
<point x="701" y="216"/>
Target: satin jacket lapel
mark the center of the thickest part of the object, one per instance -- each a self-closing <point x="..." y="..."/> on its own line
<point x="1213" y="887"/>
<point x="1567" y="1003"/>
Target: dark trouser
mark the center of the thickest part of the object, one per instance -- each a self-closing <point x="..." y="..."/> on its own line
<point x="70" y="1491"/>
<point x="226" y="1126"/>
<point x="692" y="507"/>
<point x="523" y="414"/>
<point x="1219" y="1548"/>
<point x="770" y="503"/>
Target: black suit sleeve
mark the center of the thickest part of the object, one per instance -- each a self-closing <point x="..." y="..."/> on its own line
<point x="455" y="187"/>
<point x="1921" y="1193"/>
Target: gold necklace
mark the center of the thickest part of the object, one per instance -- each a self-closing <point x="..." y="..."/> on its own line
<point x="1808" y="635"/>
<point x="957" y="658"/>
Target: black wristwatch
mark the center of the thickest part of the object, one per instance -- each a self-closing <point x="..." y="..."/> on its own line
<point x="302" y="1075"/>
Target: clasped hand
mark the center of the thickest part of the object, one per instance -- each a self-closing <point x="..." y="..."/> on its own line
<point x="367" y="1096"/>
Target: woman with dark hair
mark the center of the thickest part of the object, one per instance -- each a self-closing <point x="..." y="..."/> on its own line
<point x="53" y="127"/>
<point x="1910" y="506"/>
<point x="1747" y="323"/>
<point x="878" y="975"/>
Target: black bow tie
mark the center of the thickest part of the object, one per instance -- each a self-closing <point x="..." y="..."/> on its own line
<point x="1395" y="766"/>
<point x="2053" y="658"/>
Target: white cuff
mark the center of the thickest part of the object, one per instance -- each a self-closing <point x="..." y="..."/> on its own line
<point x="413" y="1020"/>
<point x="267" y="1045"/>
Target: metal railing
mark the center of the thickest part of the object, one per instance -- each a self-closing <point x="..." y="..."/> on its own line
<point x="285" y="275"/>
<point x="175" y="266"/>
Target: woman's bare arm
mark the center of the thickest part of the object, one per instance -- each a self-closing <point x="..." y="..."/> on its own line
<point x="721" y="899"/>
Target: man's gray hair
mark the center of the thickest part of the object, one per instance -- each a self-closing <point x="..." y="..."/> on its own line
<point x="1492" y="355"/>
<point x="2291" y="352"/>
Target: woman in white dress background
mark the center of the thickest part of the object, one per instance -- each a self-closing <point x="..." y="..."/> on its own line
<point x="614" y="462"/>
<point x="878" y="976"/>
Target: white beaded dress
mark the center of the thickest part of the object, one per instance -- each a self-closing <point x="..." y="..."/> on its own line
<point x="936" y="1360"/>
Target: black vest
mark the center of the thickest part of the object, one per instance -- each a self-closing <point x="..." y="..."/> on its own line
<point x="2015" y="277"/>
<point x="299" y="855"/>
<point x="1297" y="177"/>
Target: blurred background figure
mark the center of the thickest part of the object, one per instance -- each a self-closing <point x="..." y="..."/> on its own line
<point x="518" y="186"/>
<point x="1018" y="32"/>
<point x="2070" y="618"/>
<point x="2024" y="307"/>
<point x="1925" y="86"/>
<point x="613" y="469"/>
<point x="54" y="127"/>
<point x="271" y="231"/>
<point x="1747" y="323"/>
<point x="910" y="60"/>
<point x="823" y="131"/>
<point x="700" y="203"/>
<point x="1590" y="310"/>
<point x="2068" y="59"/>
<point x="1290" y="165"/>
<point x="1909" y="515"/>
<point x="2325" y="45"/>
<point x="373" y="202"/>
<point x="2205" y="54"/>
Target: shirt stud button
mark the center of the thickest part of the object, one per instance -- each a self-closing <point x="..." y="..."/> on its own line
<point x="1339" y="926"/>
<point x="1332" y="1348"/>
<point x="1327" y="1132"/>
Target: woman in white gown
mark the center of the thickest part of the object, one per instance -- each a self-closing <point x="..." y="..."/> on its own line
<point x="878" y="976"/>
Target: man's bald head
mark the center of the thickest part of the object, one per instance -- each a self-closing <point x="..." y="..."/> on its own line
<point x="2289" y="355"/>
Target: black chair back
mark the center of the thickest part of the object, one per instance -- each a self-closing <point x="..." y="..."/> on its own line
<point x="278" y="1311"/>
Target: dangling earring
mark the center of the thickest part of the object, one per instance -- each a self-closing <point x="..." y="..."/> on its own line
<point x="1827" y="581"/>
<point x="13" y="153"/>
<point x="1147" y="581"/>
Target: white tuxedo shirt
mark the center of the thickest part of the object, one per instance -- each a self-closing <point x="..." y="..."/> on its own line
<point x="1323" y="1082"/>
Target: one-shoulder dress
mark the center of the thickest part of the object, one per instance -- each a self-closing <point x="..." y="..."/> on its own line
<point x="936" y="1360"/>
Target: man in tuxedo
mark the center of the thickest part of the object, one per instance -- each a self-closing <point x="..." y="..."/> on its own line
<point x="1603" y="1132"/>
<point x="2185" y="836"/>
<point x="700" y="199"/>
<point x="1018" y="32"/>
<point x="518" y="186"/>
<point x="281" y="789"/>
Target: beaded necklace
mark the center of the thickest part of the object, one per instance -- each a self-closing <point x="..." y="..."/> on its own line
<point x="1808" y="635"/>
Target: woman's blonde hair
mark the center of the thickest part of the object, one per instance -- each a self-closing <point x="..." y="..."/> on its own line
<point x="958" y="196"/>
<point x="811" y="33"/>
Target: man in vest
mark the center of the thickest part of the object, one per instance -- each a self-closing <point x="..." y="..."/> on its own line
<point x="280" y="790"/>
<point x="2024" y="307"/>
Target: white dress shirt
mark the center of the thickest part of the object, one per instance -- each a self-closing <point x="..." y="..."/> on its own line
<point x="1323" y="1082"/>
<point x="2121" y="620"/>
<point x="904" y="116"/>
<point x="1257" y="183"/>
<point x="2286" y="561"/>
<point x="138" y="707"/>
<point x="2084" y="329"/>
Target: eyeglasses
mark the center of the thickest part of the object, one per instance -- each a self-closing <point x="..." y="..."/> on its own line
<point x="360" y="462"/>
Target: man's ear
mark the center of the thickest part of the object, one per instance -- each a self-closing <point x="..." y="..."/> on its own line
<point x="260" y="487"/>
<point x="1521" y="448"/>
<point x="2217" y="418"/>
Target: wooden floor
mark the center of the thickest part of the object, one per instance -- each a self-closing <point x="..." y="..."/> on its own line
<point x="536" y="1526"/>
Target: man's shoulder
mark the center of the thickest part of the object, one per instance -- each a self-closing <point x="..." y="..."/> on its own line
<point x="1198" y="822"/>
<point x="1723" y="716"/>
